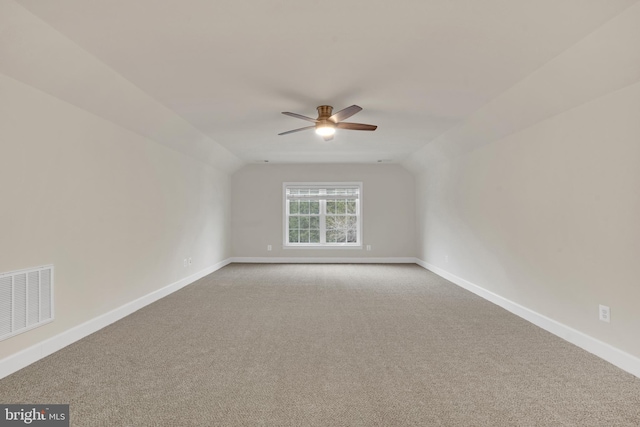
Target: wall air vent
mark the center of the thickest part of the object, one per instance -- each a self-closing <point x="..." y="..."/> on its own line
<point x="26" y="300"/>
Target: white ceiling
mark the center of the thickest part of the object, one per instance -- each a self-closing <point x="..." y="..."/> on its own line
<point x="417" y="67"/>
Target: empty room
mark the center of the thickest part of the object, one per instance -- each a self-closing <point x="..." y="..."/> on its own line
<point x="335" y="213"/>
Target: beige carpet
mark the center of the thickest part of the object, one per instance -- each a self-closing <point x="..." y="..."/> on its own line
<point x="327" y="345"/>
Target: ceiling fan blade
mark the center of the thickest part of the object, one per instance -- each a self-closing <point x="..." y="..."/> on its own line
<point x="296" y="130"/>
<point x="328" y="137"/>
<point x="345" y="114"/>
<point x="355" y="126"/>
<point x="299" y="116"/>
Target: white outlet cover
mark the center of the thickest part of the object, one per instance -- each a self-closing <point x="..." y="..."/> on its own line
<point x="268" y="247"/>
<point x="605" y="313"/>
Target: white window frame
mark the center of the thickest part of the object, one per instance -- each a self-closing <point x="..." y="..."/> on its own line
<point x="324" y="245"/>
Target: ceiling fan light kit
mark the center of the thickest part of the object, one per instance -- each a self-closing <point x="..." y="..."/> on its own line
<point x="325" y="129"/>
<point x="326" y="123"/>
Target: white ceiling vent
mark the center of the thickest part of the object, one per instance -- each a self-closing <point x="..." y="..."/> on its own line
<point x="26" y="300"/>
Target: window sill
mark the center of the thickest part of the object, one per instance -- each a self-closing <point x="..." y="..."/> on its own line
<point x="322" y="247"/>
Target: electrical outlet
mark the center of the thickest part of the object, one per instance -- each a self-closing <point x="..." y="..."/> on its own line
<point x="268" y="247"/>
<point x="368" y="247"/>
<point x="184" y="262"/>
<point x="190" y="262"/>
<point x="605" y="313"/>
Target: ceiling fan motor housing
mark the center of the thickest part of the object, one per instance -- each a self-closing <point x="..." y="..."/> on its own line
<point x="324" y="112"/>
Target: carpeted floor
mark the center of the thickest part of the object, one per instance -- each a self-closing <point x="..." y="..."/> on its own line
<point x="327" y="345"/>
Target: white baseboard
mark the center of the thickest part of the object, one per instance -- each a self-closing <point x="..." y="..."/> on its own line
<point x="19" y="360"/>
<point x="326" y="260"/>
<point x="611" y="354"/>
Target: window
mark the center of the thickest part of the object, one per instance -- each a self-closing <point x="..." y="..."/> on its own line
<point x="322" y="214"/>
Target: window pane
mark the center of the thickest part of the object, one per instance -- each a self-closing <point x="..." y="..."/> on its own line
<point x="314" y="236"/>
<point x="304" y="207"/>
<point x="352" y="236"/>
<point x="314" y="207"/>
<point x="304" y="236"/>
<point x="341" y="236"/>
<point x="293" y="236"/>
<point x="331" y="236"/>
<point x="341" y="207"/>
<point x="293" y="222"/>
<point x="304" y="223"/>
<point x="331" y="222"/>
<point x="314" y="222"/>
<point x="331" y="206"/>
<point x="352" y="221"/>
<point x="351" y="206"/>
<point x="337" y="222"/>
<point x="293" y="207"/>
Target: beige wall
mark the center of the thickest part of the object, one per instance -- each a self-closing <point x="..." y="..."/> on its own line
<point x="537" y="196"/>
<point x="99" y="179"/>
<point x="388" y="209"/>
<point x="116" y="213"/>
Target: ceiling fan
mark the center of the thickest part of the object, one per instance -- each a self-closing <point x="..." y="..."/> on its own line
<point x="326" y="123"/>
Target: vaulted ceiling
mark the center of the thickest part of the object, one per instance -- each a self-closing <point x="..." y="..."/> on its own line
<point x="417" y="67"/>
